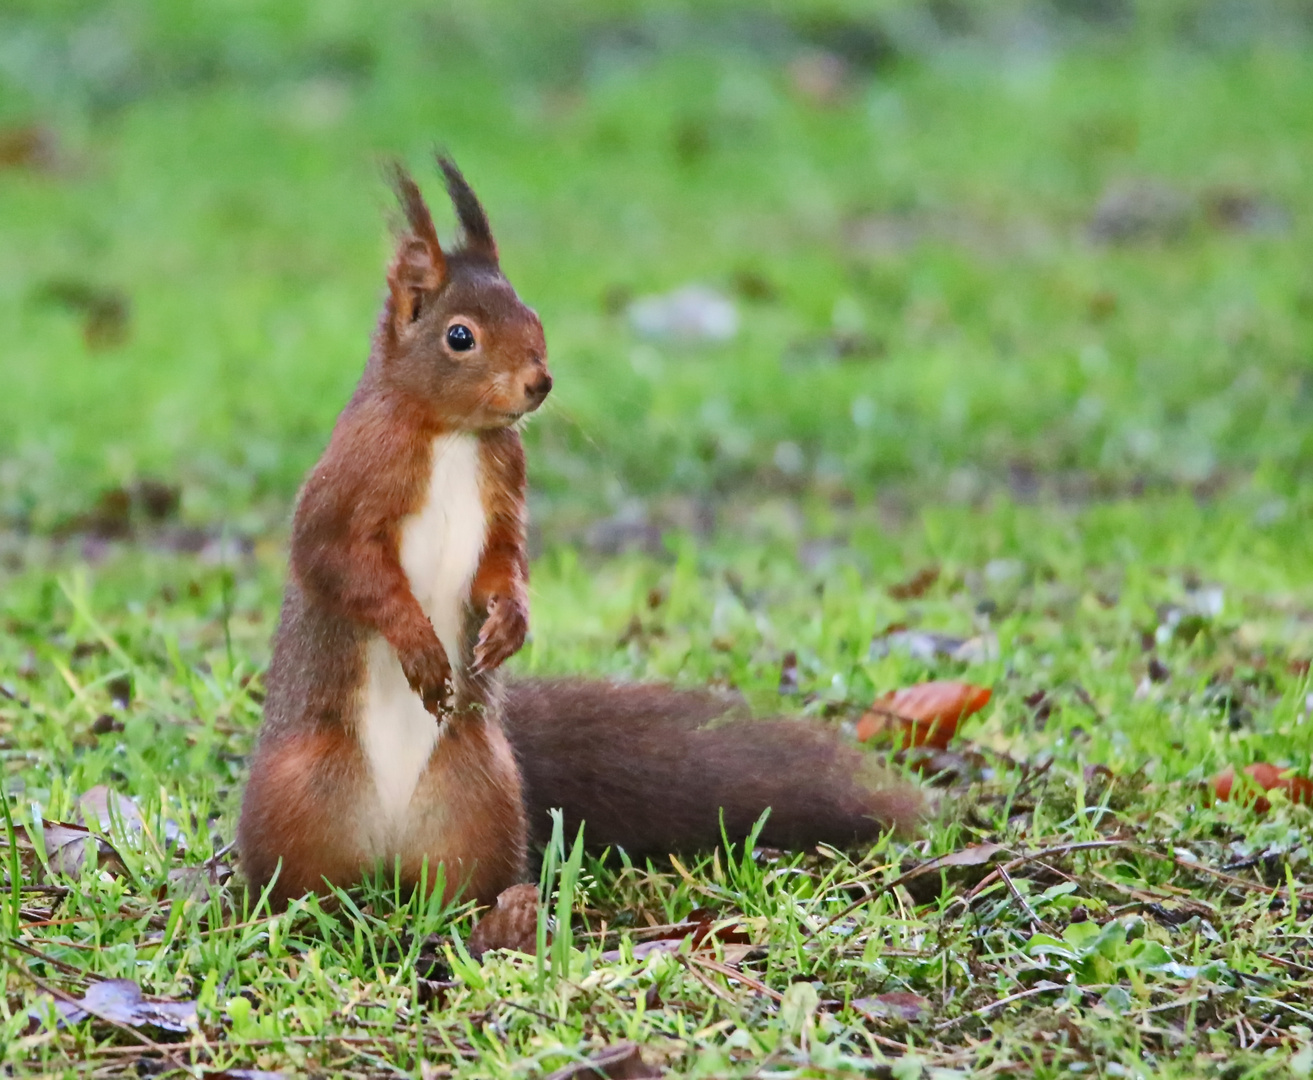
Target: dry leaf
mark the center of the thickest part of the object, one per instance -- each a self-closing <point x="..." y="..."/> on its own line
<point x="197" y="883"/>
<point x="619" y="1062"/>
<point x="927" y="714"/>
<point x="32" y="146"/>
<point x="67" y="848"/>
<point x="511" y="924"/>
<point x="106" y="312"/>
<point x="1265" y="777"/>
<point x="896" y="1005"/>
<point x="104" y="807"/>
<point x="928" y="646"/>
<point x="789" y="674"/>
<point x="956" y="869"/>
<point x="697" y="930"/>
<point x="121" y="1001"/>
<point x="917" y="585"/>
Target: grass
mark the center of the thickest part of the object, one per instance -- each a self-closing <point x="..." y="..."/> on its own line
<point x="1103" y="447"/>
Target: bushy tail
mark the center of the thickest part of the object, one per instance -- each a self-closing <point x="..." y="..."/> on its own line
<point x="650" y="768"/>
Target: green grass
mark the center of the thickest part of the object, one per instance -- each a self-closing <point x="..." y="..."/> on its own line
<point x="1086" y="438"/>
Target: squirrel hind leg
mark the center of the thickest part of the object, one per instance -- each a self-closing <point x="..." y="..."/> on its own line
<point x="293" y="835"/>
<point x="467" y="815"/>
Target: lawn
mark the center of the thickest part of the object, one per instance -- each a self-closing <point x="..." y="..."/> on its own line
<point x="1020" y="299"/>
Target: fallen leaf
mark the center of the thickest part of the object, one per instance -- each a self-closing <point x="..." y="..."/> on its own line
<point x="1242" y="210"/>
<point x="1262" y="777"/>
<point x="105" y="724"/>
<point x="971" y="855"/>
<point x="67" y="848"/>
<point x="106" y="313"/>
<point x="955" y="870"/>
<point x="928" y="646"/>
<point x="895" y="1005"/>
<point x="820" y="78"/>
<point x="105" y="808"/>
<point x="1140" y="210"/>
<point x="32" y="146"/>
<point x="121" y="1002"/>
<point x="754" y="286"/>
<point x="619" y="1062"/>
<point x="197" y="883"/>
<point x="916" y="586"/>
<point x="704" y="925"/>
<point x="927" y="714"/>
<point x="699" y="928"/>
<point x="511" y="924"/>
<point x="789" y="674"/>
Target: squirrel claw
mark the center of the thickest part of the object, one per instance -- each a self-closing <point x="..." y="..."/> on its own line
<point x="502" y="634"/>
<point x="429" y="676"/>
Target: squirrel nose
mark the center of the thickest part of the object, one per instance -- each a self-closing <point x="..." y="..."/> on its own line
<point x="540" y="387"/>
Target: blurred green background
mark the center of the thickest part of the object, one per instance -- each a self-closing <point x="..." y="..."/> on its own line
<point x="1047" y="249"/>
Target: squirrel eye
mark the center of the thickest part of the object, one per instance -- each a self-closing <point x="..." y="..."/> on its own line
<point x="460" y="338"/>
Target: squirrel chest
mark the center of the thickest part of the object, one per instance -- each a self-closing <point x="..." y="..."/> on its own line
<point x="441" y="543"/>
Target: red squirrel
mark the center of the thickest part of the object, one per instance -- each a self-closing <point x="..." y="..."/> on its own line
<point x="389" y="738"/>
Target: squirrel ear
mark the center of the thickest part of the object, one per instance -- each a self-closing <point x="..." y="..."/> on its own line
<point x="473" y="220"/>
<point x="419" y="265"/>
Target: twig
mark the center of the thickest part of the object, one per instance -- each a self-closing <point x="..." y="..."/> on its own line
<point x="734" y="973"/>
<point x="932" y="864"/>
<point x="59" y="965"/>
<point x="1039" y="988"/>
<point x="1035" y="921"/>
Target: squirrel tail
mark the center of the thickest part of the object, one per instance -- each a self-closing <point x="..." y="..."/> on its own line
<point x="651" y="769"/>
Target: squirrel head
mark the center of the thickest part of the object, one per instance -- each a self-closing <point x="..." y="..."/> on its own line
<point x="456" y="337"/>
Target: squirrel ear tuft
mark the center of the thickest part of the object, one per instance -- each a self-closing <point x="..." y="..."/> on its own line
<point x="473" y="220"/>
<point x="419" y="265"/>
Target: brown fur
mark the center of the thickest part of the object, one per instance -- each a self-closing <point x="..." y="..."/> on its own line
<point x="650" y="769"/>
<point x="309" y="779"/>
<point x="647" y="768"/>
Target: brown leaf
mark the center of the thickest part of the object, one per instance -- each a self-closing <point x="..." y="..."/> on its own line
<point x="67" y="847"/>
<point x="104" y="724"/>
<point x="619" y="1062"/>
<point x="927" y="714"/>
<point x="895" y="1005"/>
<point x="697" y="930"/>
<point x="511" y="924"/>
<point x="32" y="146"/>
<point x="789" y="674"/>
<point x="916" y="586"/>
<point x="703" y="921"/>
<point x="962" y="867"/>
<point x="105" y="312"/>
<point x="1262" y="776"/>
<point x="121" y="1002"/>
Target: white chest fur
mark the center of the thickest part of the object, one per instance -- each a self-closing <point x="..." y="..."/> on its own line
<point x="440" y="548"/>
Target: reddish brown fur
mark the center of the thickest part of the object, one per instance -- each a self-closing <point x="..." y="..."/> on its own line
<point x="309" y="779"/>
<point x="647" y="768"/>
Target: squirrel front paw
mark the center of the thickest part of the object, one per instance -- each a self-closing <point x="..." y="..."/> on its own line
<point x="502" y="634"/>
<point x="429" y="673"/>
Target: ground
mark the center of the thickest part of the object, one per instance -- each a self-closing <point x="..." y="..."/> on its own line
<point x="1022" y="299"/>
